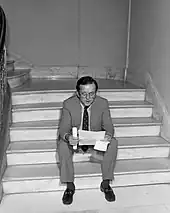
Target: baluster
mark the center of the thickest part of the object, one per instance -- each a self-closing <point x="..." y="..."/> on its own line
<point x="3" y="81"/>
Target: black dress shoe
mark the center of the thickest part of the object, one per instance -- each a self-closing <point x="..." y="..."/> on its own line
<point x="84" y="148"/>
<point x="109" y="194"/>
<point x="68" y="196"/>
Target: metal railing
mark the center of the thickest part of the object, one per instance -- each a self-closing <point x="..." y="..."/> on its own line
<point x="3" y="72"/>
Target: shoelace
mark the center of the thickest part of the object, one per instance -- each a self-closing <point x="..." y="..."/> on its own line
<point x="69" y="191"/>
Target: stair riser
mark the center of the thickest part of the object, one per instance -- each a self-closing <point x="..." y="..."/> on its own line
<point x="134" y="131"/>
<point x="54" y="73"/>
<point x="51" y="134"/>
<point x="52" y="157"/>
<point x="18" y="80"/>
<point x="61" y="96"/>
<point x="54" y="114"/>
<point x="53" y="184"/>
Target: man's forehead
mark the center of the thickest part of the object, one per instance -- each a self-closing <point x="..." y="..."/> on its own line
<point x="88" y="87"/>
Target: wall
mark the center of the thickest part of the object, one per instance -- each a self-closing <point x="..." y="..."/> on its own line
<point x="68" y="32"/>
<point x="41" y="31"/>
<point x="150" y="44"/>
<point x="103" y="32"/>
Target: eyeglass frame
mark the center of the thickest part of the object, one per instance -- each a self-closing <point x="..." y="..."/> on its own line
<point x="91" y="94"/>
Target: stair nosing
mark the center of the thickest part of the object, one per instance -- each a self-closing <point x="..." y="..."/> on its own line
<point x="26" y="92"/>
<point x="31" y="151"/>
<point x="47" y="124"/>
<point x="89" y="173"/>
<point x="35" y="107"/>
<point x="161" y="143"/>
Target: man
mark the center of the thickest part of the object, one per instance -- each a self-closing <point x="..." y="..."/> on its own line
<point x="85" y="110"/>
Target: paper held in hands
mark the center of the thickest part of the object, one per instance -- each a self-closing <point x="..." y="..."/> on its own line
<point x="101" y="145"/>
<point x="90" y="137"/>
<point x="93" y="138"/>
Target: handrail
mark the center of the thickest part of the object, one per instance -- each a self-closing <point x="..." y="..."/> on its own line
<point x="3" y="73"/>
<point x="2" y="28"/>
<point x="5" y="100"/>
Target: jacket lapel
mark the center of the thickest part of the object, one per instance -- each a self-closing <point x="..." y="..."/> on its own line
<point x="78" y="112"/>
<point x="92" y="114"/>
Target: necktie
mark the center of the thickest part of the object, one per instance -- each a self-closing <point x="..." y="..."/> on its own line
<point x="85" y="125"/>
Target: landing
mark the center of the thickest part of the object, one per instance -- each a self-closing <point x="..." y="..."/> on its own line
<point x="153" y="198"/>
<point x="70" y="84"/>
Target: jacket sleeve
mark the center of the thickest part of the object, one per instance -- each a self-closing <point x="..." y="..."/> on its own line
<point x="107" y="124"/>
<point x="65" y="122"/>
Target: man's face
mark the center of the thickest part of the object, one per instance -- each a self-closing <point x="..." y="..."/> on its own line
<point x="87" y="94"/>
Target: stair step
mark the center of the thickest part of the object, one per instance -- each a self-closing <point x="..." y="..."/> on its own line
<point x="46" y="91"/>
<point x="70" y="84"/>
<point x="45" y="177"/>
<point x="148" y="199"/>
<point x="38" y="152"/>
<point x="51" y="111"/>
<point x="47" y="130"/>
<point x="58" y="105"/>
<point x="35" y="91"/>
<point x="60" y="96"/>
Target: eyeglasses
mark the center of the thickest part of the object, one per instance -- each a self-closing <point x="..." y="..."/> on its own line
<point x="90" y="94"/>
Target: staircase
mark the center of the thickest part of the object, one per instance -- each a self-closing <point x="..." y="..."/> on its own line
<point x="32" y="155"/>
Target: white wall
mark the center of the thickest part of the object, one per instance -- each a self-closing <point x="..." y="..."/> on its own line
<point x="103" y="32"/>
<point x="68" y="32"/>
<point x="41" y="31"/>
<point x="150" y="44"/>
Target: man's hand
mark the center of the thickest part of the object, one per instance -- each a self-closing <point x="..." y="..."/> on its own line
<point x="73" y="141"/>
<point x="107" y="138"/>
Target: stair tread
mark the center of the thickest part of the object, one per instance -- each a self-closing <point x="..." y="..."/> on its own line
<point x="116" y="122"/>
<point x="49" y="146"/>
<point x="37" y="85"/>
<point x="58" y="105"/>
<point x="84" y="169"/>
<point x="154" y="198"/>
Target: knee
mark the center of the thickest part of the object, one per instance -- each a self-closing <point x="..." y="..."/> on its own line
<point x="63" y="148"/>
<point x="64" y="153"/>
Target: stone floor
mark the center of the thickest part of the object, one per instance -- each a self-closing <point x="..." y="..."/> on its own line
<point x="152" y="198"/>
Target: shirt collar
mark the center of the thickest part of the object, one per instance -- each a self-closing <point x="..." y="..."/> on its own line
<point x="83" y="105"/>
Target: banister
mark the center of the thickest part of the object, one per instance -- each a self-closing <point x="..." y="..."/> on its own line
<point x="5" y="100"/>
<point x="2" y="28"/>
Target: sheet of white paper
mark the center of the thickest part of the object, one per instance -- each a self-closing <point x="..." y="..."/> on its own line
<point x="91" y="135"/>
<point x="101" y="145"/>
<point x="87" y="142"/>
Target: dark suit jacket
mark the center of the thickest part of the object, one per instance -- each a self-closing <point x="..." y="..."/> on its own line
<point x="100" y="118"/>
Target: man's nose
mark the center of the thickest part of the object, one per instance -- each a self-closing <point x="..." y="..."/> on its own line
<point x="88" y="95"/>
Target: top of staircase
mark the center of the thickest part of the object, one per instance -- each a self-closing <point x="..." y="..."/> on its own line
<point x="70" y="85"/>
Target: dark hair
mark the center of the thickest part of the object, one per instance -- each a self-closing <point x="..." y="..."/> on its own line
<point x="84" y="81"/>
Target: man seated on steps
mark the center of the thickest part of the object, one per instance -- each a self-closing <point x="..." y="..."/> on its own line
<point x="87" y="111"/>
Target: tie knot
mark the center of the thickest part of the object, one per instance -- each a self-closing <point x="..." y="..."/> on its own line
<point x="86" y="107"/>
